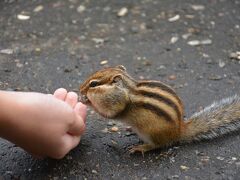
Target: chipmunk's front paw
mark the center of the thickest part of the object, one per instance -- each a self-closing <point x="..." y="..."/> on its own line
<point x="141" y="148"/>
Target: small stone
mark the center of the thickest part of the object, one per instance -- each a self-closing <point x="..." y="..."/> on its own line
<point x="38" y="8"/>
<point x="122" y="12"/>
<point x="172" y="77"/>
<point x="6" y="51"/>
<point x="114" y="129"/>
<point x="81" y="8"/>
<point x="185" y="168"/>
<point x="174" y="18"/>
<point x="198" y="7"/>
<point x="174" y="39"/>
<point x="234" y="158"/>
<point x="104" y="62"/>
<point x="23" y="17"/>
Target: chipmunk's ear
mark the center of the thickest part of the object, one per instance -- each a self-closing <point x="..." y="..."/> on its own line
<point x="117" y="79"/>
<point x="121" y="67"/>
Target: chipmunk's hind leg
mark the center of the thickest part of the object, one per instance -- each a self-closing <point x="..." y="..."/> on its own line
<point x="142" y="148"/>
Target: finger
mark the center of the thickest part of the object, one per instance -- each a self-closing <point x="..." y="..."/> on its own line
<point x="71" y="142"/>
<point x="71" y="99"/>
<point x="78" y="127"/>
<point x="81" y="110"/>
<point x="60" y="93"/>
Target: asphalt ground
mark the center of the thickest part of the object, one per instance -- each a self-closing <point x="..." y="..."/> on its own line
<point x="188" y="44"/>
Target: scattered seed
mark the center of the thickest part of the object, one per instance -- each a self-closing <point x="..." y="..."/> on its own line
<point x="174" y="18"/>
<point x="114" y="129"/>
<point x="172" y="77"/>
<point x="23" y="17"/>
<point x="105" y="130"/>
<point x="186" y="36"/>
<point x="221" y="63"/>
<point x="202" y="42"/>
<point x="220" y="158"/>
<point x="94" y="171"/>
<point x="6" y="51"/>
<point x="98" y="40"/>
<point x="174" y="39"/>
<point x="129" y="128"/>
<point x="104" y="62"/>
<point x="81" y="8"/>
<point x="235" y="55"/>
<point x="198" y="7"/>
<point x="38" y="8"/>
<point x="122" y="12"/>
<point x="215" y="77"/>
<point x="184" y="167"/>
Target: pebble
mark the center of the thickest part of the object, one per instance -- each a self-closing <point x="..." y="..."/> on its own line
<point x="81" y="8"/>
<point x="122" y="12"/>
<point x="104" y="62"/>
<point x="38" y="8"/>
<point x="23" y="17"/>
<point x="6" y="51"/>
<point x="197" y="42"/>
<point x="198" y="7"/>
<point x="174" y="18"/>
<point x="114" y="129"/>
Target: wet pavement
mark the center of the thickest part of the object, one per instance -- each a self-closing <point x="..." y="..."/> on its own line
<point x="188" y="44"/>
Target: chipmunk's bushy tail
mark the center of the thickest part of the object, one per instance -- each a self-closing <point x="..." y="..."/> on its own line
<point x="216" y="120"/>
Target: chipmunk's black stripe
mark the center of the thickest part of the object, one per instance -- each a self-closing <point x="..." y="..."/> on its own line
<point x="154" y="109"/>
<point x="162" y="86"/>
<point x="161" y="98"/>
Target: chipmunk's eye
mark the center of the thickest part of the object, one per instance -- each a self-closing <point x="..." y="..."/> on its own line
<point x="94" y="83"/>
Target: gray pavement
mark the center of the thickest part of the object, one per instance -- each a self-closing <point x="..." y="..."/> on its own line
<point x="189" y="44"/>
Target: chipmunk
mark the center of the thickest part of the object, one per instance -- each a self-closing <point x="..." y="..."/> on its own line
<point x="154" y="110"/>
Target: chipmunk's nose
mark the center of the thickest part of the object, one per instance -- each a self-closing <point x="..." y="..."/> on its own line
<point x="84" y="99"/>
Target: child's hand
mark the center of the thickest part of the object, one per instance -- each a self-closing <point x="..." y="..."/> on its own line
<point x="43" y="125"/>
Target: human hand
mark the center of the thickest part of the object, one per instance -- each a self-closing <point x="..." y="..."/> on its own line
<point x="43" y="125"/>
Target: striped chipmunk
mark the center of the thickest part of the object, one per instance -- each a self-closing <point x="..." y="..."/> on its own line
<point x="154" y="111"/>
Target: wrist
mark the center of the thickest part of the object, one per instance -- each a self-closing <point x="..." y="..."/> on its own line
<point x="8" y="107"/>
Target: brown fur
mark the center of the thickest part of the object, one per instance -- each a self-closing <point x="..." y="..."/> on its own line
<point x="153" y="109"/>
